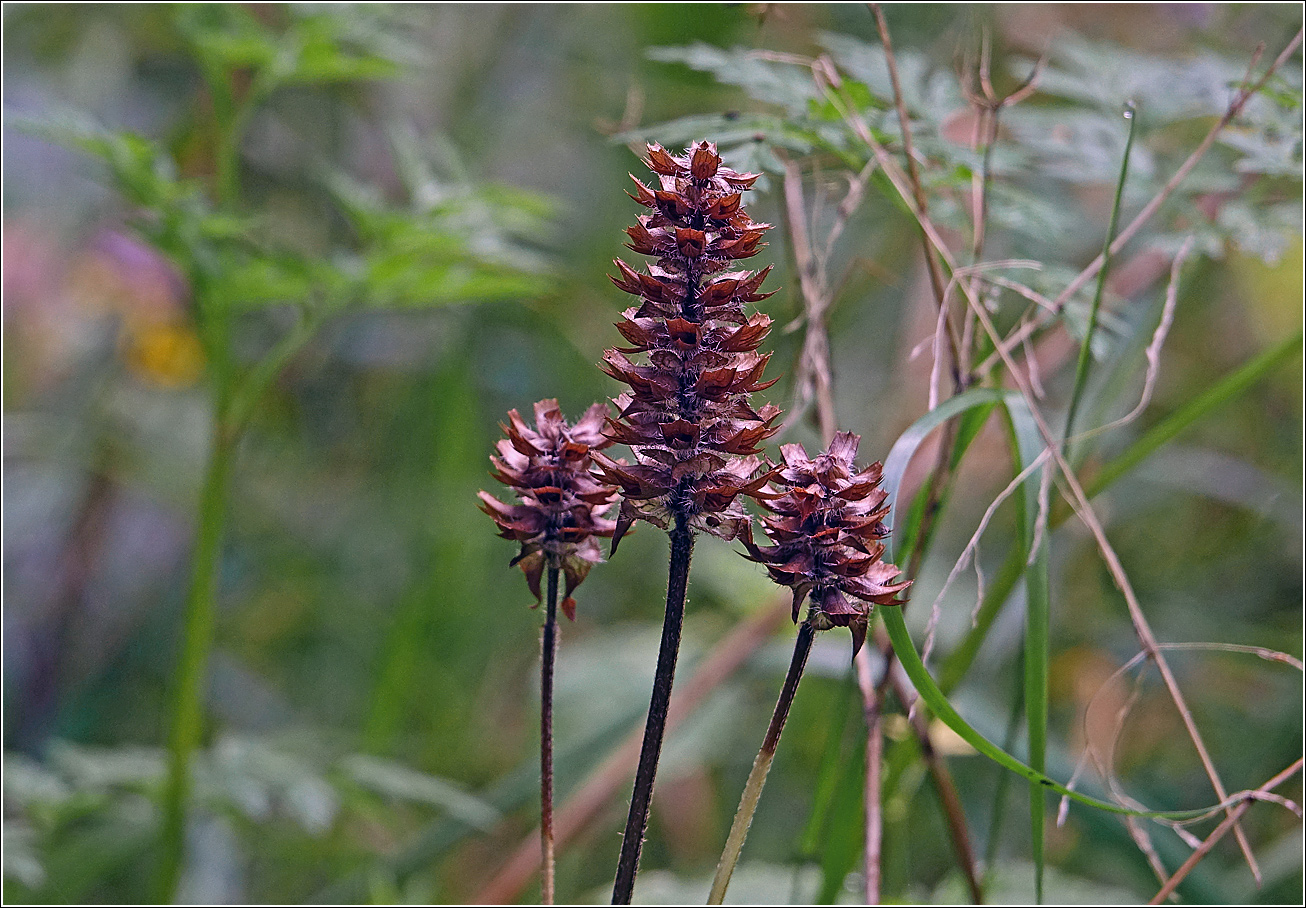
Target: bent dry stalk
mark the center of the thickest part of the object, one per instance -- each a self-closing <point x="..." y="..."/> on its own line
<point x="826" y="527"/>
<point x="687" y="415"/>
<point x="562" y="511"/>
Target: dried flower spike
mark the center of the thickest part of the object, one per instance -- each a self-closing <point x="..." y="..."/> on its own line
<point x="563" y="508"/>
<point x="826" y="525"/>
<point x="687" y="415"/>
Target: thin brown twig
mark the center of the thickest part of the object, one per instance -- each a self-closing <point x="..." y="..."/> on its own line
<point x="941" y="474"/>
<point x="814" y="378"/>
<point x="873" y="701"/>
<point x="1142" y="629"/>
<point x="1080" y="504"/>
<point x="814" y="363"/>
<point x="988" y="106"/>
<point x="1218" y="833"/>
<point x="605" y="782"/>
<point x="1269" y="655"/>
<point x="918" y="191"/>
<point x="1153" y="351"/>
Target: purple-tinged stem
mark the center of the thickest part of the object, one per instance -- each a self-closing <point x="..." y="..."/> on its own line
<point x="548" y="653"/>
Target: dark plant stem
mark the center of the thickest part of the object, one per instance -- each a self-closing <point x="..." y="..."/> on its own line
<point x="587" y="802"/>
<point x="761" y="766"/>
<point x="682" y="548"/>
<point x="548" y="653"/>
<point x="188" y="695"/>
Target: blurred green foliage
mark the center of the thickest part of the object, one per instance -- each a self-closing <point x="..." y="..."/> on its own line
<point x="436" y="194"/>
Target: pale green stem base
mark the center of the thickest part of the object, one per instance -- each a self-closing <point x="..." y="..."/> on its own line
<point x="739" y="830"/>
<point x="761" y="766"/>
<point x="188" y="696"/>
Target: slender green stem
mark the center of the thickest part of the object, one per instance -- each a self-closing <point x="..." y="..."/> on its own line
<point x="682" y="548"/>
<point x="188" y="694"/>
<point x="548" y="653"/>
<point x="232" y="121"/>
<point x="1026" y="447"/>
<point x="1085" y="350"/>
<point x="761" y="766"/>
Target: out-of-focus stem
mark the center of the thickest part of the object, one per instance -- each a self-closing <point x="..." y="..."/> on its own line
<point x="548" y="653"/>
<point x="873" y="709"/>
<point x="197" y="642"/>
<point x="682" y="548"/>
<point x="761" y="766"/>
<point x="937" y="282"/>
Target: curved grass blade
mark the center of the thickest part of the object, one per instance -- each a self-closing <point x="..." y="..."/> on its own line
<point x="895" y="466"/>
<point x="920" y="677"/>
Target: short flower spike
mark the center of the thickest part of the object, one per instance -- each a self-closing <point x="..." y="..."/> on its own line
<point x="826" y="523"/>
<point x="562" y="508"/>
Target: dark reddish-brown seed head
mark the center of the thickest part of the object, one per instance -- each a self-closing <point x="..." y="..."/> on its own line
<point x="826" y="525"/>
<point x="693" y="361"/>
<point x="562" y="508"/>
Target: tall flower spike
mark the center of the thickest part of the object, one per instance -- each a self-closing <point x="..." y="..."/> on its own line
<point x="563" y="508"/>
<point x="687" y="415"/>
<point x="826" y="525"/>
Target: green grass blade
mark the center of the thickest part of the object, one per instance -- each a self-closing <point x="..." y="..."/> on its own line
<point x="929" y="692"/>
<point x="1085" y="350"/>
<point x="895" y="465"/>
<point x="1231" y="386"/>
<point x="1026" y="446"/>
